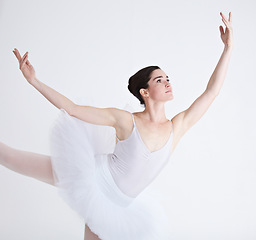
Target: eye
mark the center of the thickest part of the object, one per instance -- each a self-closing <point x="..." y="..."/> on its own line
<point x="160" y="80"/>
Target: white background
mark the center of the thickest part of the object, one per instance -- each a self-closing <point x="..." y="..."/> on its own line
<point x="90" y="49"/>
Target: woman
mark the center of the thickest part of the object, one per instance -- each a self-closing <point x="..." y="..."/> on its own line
<point x="107" y="189"/>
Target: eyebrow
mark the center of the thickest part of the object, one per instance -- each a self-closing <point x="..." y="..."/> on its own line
<point x="160" y="77"/>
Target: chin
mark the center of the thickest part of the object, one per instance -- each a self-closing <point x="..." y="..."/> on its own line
<point x="171" y="98"/>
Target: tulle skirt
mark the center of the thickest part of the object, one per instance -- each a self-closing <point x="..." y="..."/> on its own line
<point x="79" y="154"/>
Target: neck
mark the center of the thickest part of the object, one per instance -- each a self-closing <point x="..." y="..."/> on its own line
<point x="154" y="113"/>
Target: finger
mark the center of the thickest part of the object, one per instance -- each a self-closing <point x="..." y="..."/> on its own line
<point x="226" y="24"/>
<point x="230" y="17"/>
<point x="221" y="30"/>
<point x="223" y="16"/>
<point x="23" y="62"/>
<point x="26" y="54"/>
<point x="29" y="64"/>
<point x="17" y="54"/>
<point x="225" y="20"/>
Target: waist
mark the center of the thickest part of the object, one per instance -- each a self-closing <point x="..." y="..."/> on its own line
<point x="107" y="184"/>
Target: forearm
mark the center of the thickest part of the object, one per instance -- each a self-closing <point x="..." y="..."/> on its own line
<point x="216" y="81"/>
<point x="57" y="99"/>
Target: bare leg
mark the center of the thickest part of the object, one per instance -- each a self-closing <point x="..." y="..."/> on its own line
<point x="89" y="235"/>
<point x="29" y="164"/>
<point x="33" y="165"/>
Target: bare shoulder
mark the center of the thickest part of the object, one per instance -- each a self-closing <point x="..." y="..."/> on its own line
<point x="123" y="123"/>
<point x="123" y="118"/>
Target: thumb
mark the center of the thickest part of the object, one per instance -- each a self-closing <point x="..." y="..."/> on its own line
<point x="221" y="30"/>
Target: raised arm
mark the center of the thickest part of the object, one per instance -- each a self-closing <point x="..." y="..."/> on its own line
<point x="186" y="119"/>
<point x="99" y="116"/>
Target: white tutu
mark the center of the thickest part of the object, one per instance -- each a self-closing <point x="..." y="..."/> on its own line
<point x="79" y="154"/>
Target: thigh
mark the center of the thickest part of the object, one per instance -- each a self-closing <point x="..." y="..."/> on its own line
<point x="38" y="166"/>
<point x="89" y="235"/>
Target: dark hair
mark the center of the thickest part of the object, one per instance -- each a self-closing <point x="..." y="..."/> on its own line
<point x="140" y="80"/>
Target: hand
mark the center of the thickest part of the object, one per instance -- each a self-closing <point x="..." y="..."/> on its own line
<point x="25" y="66"/>
<point x="227" y="36"/>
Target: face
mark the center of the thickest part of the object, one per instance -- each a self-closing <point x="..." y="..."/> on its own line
<point x="159" y="87"/>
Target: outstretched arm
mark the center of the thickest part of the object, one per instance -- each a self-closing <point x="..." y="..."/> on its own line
<point x="190" y="116"/>
<point x="57" y="99"/>
<point x="98" y="116"/>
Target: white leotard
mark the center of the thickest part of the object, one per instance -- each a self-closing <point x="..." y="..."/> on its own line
<point x="133" y="167"/>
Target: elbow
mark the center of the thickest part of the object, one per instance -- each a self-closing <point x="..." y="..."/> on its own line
<point x="71" y="110"/>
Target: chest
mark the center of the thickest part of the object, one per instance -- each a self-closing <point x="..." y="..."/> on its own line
<point x="154" y="137"/>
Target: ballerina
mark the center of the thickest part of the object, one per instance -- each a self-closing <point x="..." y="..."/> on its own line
<point x="106" y="189"/>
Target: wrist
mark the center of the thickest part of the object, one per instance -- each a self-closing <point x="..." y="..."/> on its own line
<point x="33" y="81"/>
<point x="228" y="47"/>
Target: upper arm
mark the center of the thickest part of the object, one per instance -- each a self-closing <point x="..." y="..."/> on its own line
<point x="97" y="116"/>
<point x="198" y="108"/>
<point x="183" y="121"/>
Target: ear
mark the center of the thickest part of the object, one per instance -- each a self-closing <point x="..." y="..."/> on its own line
<point x="144" y="92"/>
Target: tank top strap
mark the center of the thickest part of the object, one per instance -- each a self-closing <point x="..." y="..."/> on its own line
<point x="133" y="126"/>
<point x="133" y="120"/>
<point x="171" y="123"/>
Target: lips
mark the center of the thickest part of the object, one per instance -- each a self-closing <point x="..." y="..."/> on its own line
<point x="168" y="91"/>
